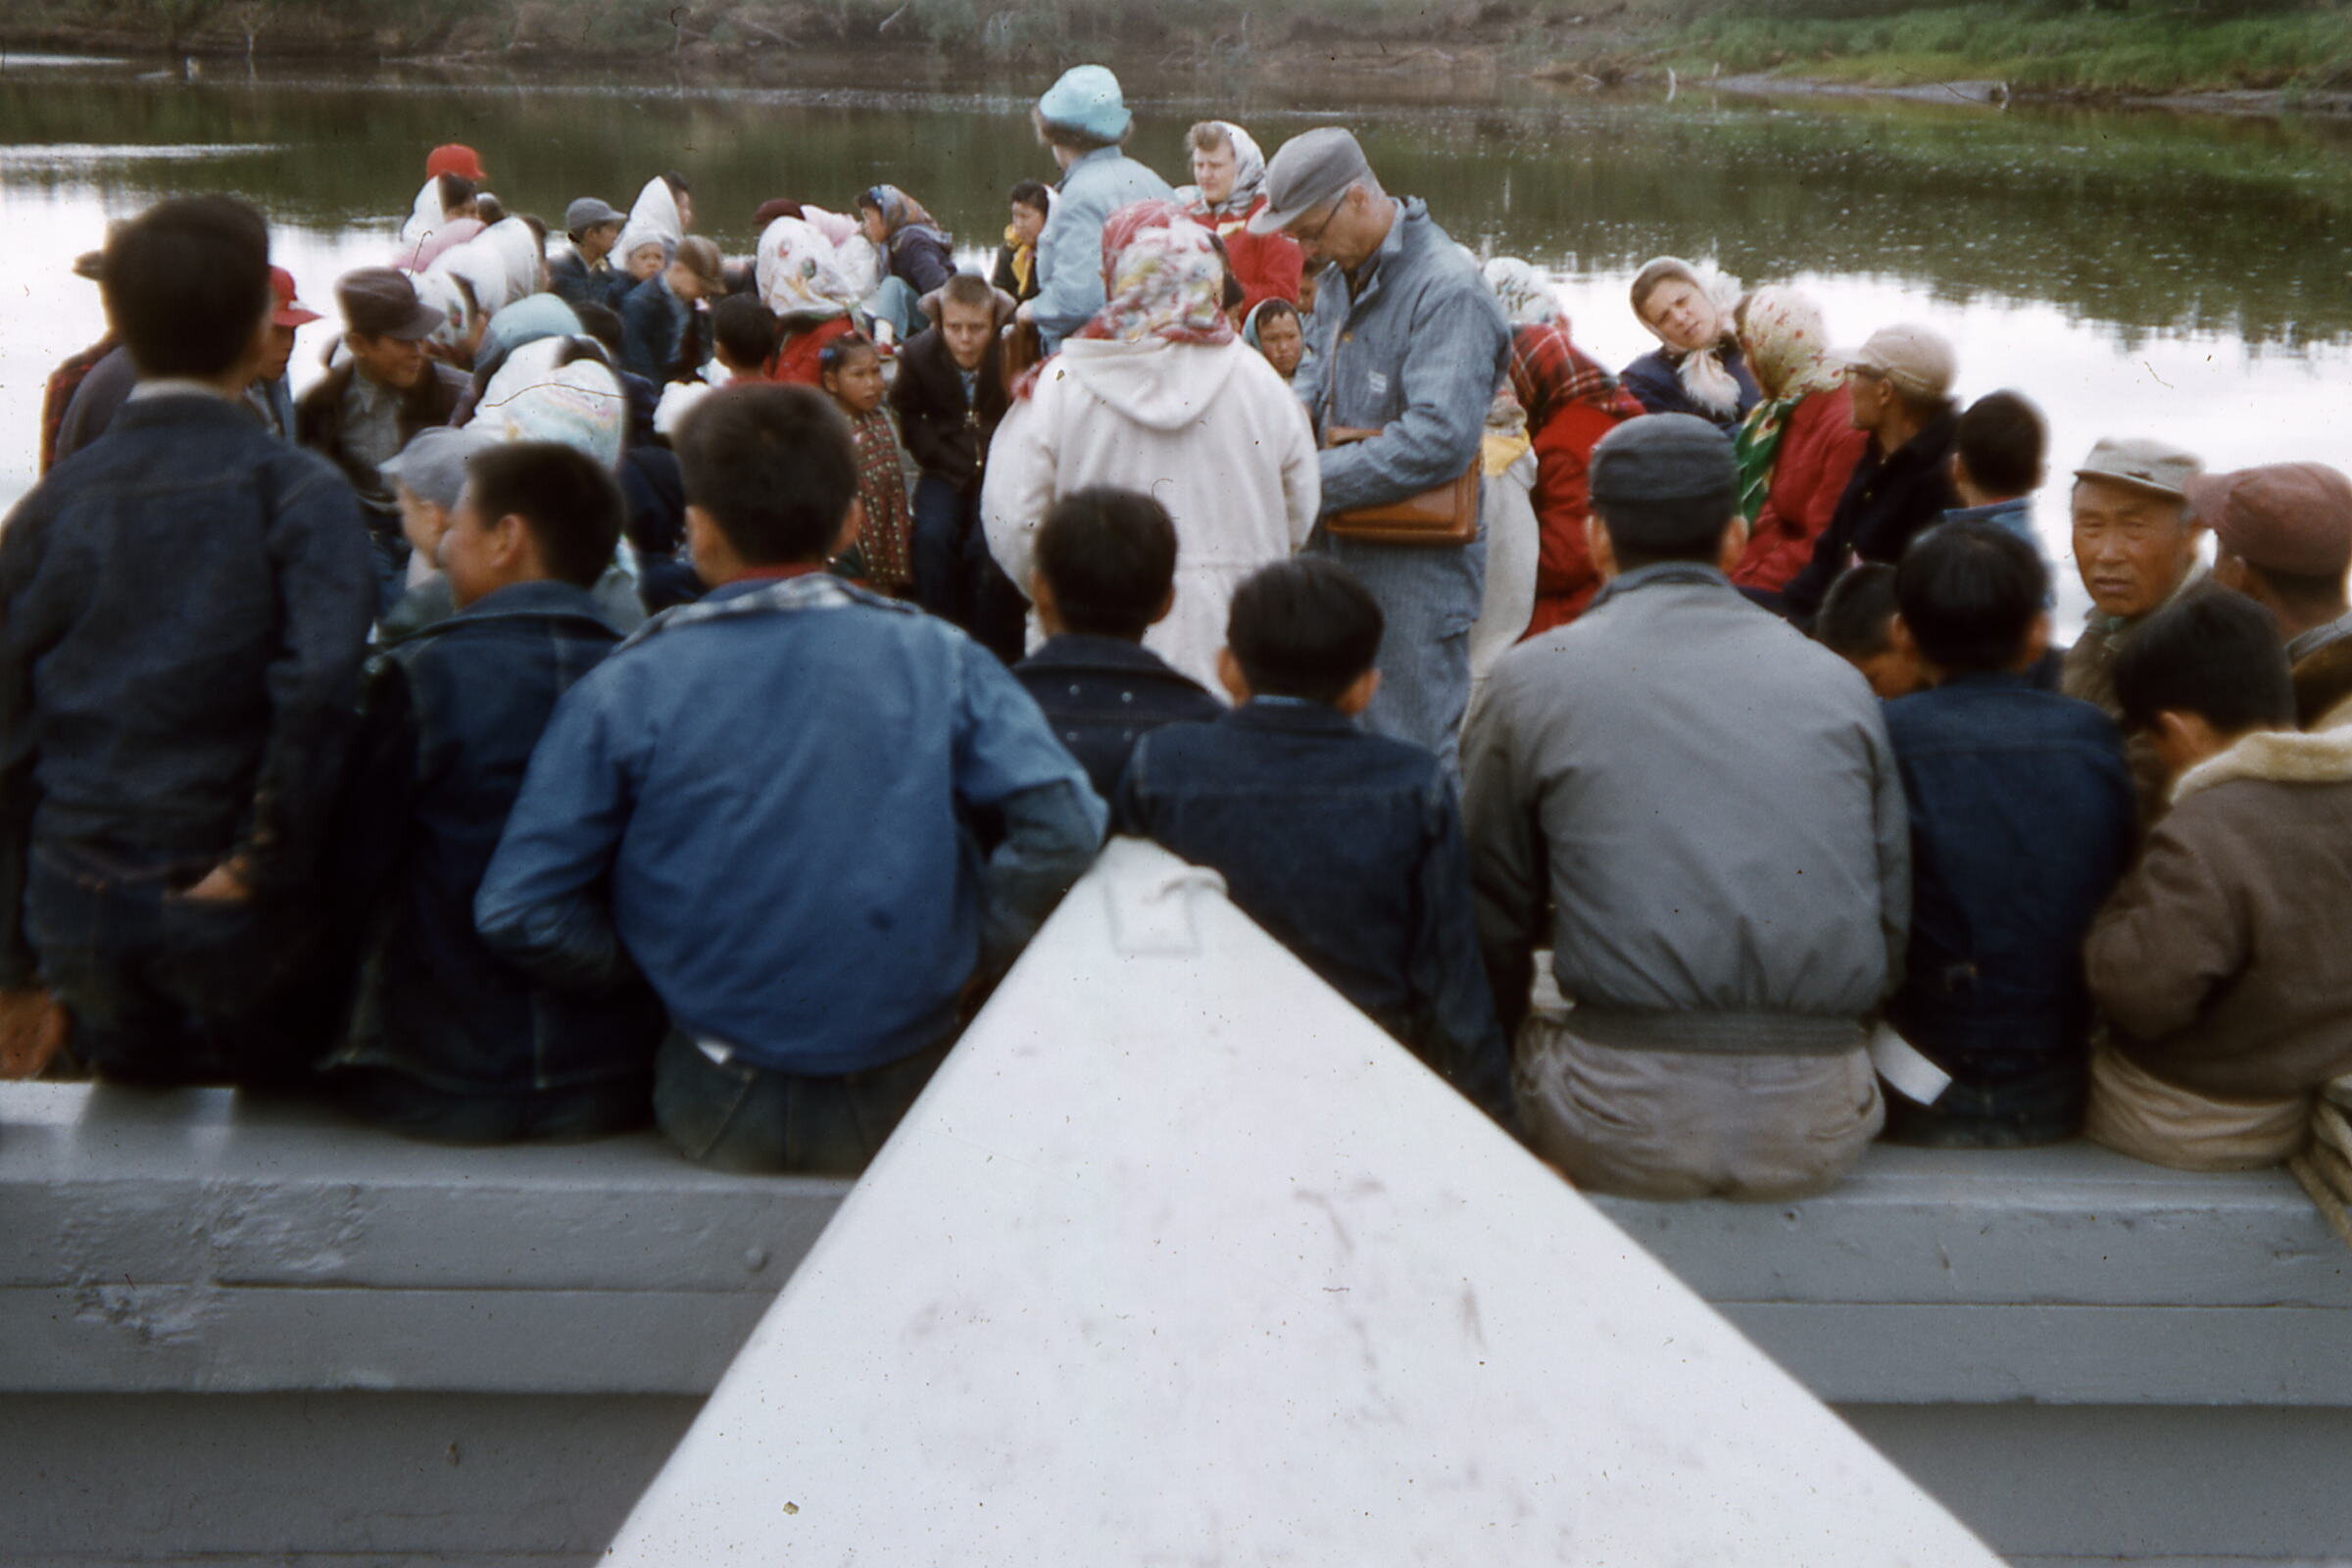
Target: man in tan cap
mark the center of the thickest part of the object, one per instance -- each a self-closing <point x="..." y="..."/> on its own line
<point x="1901" y="385"/>
<point x="2282" y="537"/>
<point x="2135" y="539"/>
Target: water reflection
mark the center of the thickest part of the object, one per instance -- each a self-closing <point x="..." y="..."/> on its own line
<point x="2187" y="278"/>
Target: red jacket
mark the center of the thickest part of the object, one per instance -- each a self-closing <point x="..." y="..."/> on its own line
<point x="1817" y="456"/>
<point x="1565" y="579"/>
<point x="797" y="355"/>
<point x="1268" y="266"/>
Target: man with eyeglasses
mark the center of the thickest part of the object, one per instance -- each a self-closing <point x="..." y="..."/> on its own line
<point x="1408" y="342"/>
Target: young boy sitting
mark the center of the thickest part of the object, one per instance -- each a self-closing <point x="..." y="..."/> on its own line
<point x="1856" y="622"/>
<point x="1346" y="846"/>
<point x="2220" y="962"/>
<point x="949" y="396"/>
<point x="1104" y="568"/>
<point x="2022" y="818"/>
<point x="451" y="1041"/>
<point x="760" y="800"/>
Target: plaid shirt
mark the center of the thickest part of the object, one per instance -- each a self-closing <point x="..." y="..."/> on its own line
<point x="64" y="381"/>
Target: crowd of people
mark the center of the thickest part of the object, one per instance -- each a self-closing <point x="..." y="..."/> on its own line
<point x="639" y="683"/>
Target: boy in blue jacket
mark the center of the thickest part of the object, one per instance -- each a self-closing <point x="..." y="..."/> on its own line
<point x="763" y="802"/>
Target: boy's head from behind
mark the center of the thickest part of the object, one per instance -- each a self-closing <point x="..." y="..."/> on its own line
<point x="1856" y="622"/>
<point x="187" y="287"/>
<point x="1302" y="628"/>
<point x="1969" y="598"/>
<point x="1104" y="565"/>
<point x="1998" y="448"/>
<point x="530" y="511"/>
<point x="2196" y="676"/>
<point x="1664" y="487"/>
<point x="743" y="333"/>
<point x="770" y="473"/>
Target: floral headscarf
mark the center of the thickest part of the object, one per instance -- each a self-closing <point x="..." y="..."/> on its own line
<point x="539" y="396"/>
<point x="1710" y="385"/>
<point x="1249" y="174"/>
<point x="1527" y="298"/>
<point x="1162" y="277"/>
<point x="898" y="209"/>
<point x="800" y="273"/>
<point x="1788" y="353"/>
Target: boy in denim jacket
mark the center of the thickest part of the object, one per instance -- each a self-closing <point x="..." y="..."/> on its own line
<point x="1346" y="846"/>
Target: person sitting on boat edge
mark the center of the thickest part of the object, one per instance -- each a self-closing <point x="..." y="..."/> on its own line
<point x="2282" y="536"/>
<point x="1346" y="846"/>
<point x="760" y="800"/>
<point x="2218" y="964"/>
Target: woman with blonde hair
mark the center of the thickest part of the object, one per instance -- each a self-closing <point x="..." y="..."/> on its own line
<point x="1696" y="367"/>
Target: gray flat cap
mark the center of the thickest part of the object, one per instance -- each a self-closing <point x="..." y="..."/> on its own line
<point x="1662" y="457"/>
<point x="2140" y="463"/>
<point x="432" y="466"/>
<point x="1312" y="169"/>
<point x="590" y="211"/>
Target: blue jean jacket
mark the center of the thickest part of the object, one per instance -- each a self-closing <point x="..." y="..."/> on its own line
<point x="183" y="613"/>
<point x="1348" y="848"/>
<point x="2023" y="818"/>
<point x="1101" y="695"/>
<point x="764" y="799"/>
<point x="471" y="696"/>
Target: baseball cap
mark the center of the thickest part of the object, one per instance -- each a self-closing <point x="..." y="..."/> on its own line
<point x="288" y="311"/>
<point x="590" y="211"/>
<point x="454" y="158"/>
<point x="2142" y="463"/>
<point x="379" y="302"/>
<point x="1914" y="358"/>
<point x="1308" y="170"/>
<point x="2291" y="517"/>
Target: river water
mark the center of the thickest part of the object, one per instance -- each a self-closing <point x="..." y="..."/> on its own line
<point x="2133" y="272"/>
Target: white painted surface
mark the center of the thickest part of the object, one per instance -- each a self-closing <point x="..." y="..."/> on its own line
<point x="1179" y="1259"/>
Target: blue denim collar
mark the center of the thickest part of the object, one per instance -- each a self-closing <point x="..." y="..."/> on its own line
<point x="1995" y="679"/>
<point x="2002" y="511"/>
<point x="1077" y="649"/>
<point x="543" y="596"/>
<point x="1290" y="712"/>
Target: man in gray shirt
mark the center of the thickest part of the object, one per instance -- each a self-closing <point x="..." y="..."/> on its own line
<point x="1407" y="342"/>
<point x="1707" y="806"/>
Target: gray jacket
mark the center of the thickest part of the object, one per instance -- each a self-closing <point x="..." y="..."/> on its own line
<point x="1710" y="805"/>
<point x="1417" y="355"/>
<point x="1070" y="249"/>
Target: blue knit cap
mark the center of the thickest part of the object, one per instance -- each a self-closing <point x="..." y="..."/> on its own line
<point x="1086" y="99"/>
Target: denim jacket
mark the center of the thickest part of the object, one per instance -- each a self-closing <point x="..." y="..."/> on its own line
<point x="2023" y="818"/>
<point x="763" y="797"/>
<point x="1348" y="848"/>
<point x="1102" y="693"/>
<point x="654" y="324"/>
<point x="471" y="694"/>
<point x="184" y="611"/>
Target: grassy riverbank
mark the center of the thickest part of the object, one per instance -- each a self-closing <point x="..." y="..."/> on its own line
<point x="2091" y="48"/>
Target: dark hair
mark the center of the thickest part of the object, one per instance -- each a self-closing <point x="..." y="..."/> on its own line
<point x="2001" y="438"/>
<point x="1684" y="528"/>
<point x="1303" y="627"/>
<point x="565" y="497"/>
<point x="185" y="284"/>
<point x="2216" y="654"/>
<point x="1970" y="593"/>
<point x="601" y="322"/>
<point x="1856" y="612"/>
<point x="538" y="228"/>
<point x="1109" y="557"/>
<point x="967" y="288"/>
<point x="746" y="329"/>
<point x="1274" y="309"/>
<point x="1234" y="293"/>
<point x="774" y="466"/>
<point x="1032" y="194"/>
<point x="2322" y="592"/>
<point x="489" y="209"/>
<point x="676" y="183"/>
<point x="454" y="190"/>
<point x="838" y="353"/>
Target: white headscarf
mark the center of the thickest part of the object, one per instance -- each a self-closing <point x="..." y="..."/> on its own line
<point x="1710" y="385"/>
<point x="800" y="272"/>
<point x="424" y="216"/>
<point x="437" y="286"/>
<point x="1526" y="297"/>
<point x="532" y="397"/>
<point x="653" y="217"/>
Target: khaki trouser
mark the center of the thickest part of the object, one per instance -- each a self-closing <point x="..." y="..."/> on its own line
<point x="2134" y="1112"/>
<point x="1694" y="1124"/>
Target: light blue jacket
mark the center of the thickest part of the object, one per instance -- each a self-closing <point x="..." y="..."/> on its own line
<point x="1069" y="252"/>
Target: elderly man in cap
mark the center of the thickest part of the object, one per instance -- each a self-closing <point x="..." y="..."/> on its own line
<point x="2282" y="536"/>
<point x="585" y="273"/>
<point x="2135" y="540"/>
<point x="1407" y="343"/>
<point x="366" y="409"/>
<point x="1901" y="385"/>
<point x="1725" y="900"/>
<point x="184" y="608"/>
<point x="1084" y="120"/>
